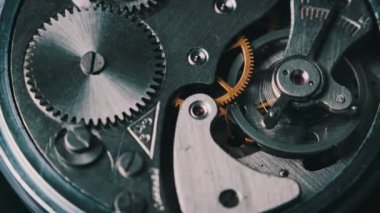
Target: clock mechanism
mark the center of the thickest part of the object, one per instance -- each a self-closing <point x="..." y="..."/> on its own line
<point x="197" y="106"/>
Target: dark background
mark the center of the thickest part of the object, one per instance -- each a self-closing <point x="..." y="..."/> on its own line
<point x="9" y="201"/>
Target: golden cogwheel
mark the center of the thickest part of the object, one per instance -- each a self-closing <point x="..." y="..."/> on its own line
<point x="232" y="92"/>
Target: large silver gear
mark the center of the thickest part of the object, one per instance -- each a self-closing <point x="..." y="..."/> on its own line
<point x="76" y="71"/>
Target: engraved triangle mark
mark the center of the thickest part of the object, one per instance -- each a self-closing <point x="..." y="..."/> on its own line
<point x="144" y="130"/>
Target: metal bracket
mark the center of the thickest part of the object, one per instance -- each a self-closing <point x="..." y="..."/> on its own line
<point x="208" y="179"/>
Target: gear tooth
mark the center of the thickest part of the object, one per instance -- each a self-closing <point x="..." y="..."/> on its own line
<point x="111" y="120"/>
<point x="149" y="94"/>
<point x="160" y="69"/>
<point x="161" y="73"/>
<point x="121" y="117"/>
<point x="38" y="96"/>
<point x="44" y="103"/>
<point x="75" y="10"/>
<point x="152" y="90"/>
<point x="81" y="120"/>
<point x="105" y="122"/>
<point x="89" y="122"/>
<point x="46" y="25"/>
<point x="108" y="8"/>
<point x="133" y="111"/>
<point x="146" y="4"/>
<point x="59" y="16"/>
<point x="30" y="82"/>
<point x="56" y="113"/>
<point x="64" y="118"/>
<point x="155" y="39"/>
<point x="162" y="53"/>
<point x="27" y="62"/>
<point x="135" y="5"/>
<point x="67" y="13"/>
<point x="32" y="89"/>
<point x="140" y="106"/>
<point x="27" y="56"/>
<point x="52" y="20"/>
<point x="39" y="32"/>
<point x="146" y="30"/>
<point x="73" y="120"/>
<point x="160" y="65"/>
<point x="33" y="43"/>
<point x="99" y="122"/>
<point x="158" y="50"/>
<point x="49" y="108"/>
<point x="157" y="79"/>
<point x="161" y="58"/>
<point x="114" y="121"/>
<point x="27" y="65"/>
<point x="125" y="115"/>
<point x="118" y="10"/>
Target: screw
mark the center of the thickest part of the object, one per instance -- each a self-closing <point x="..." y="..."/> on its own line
<point x="225" y="6"/>
<point x="92" y="63"/>
<point x="78" y="146"/>
<point x="130" y="164"/>
<point x="272" y="113"/>
<point x="198" y="56"/>
<point x="129" y="202"/>
<point x="341" y="99"/>
<point x="284" y="173"/>
<point x="354" y="109"/>
<point x="229" y="198"/>
<point x="198" y="110"/>
<point x="77" y="138"/>
<point x="339" y="4"/>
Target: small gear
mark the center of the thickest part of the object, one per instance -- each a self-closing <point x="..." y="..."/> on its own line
<point x="232" y="92"/>
<point x="130" y="5"/>
<point x="77" y="67"/>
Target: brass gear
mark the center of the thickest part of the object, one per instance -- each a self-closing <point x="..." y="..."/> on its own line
<point x="232" y="92"/>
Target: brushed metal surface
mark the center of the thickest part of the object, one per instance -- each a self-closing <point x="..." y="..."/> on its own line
<point x="203" y="170"/>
